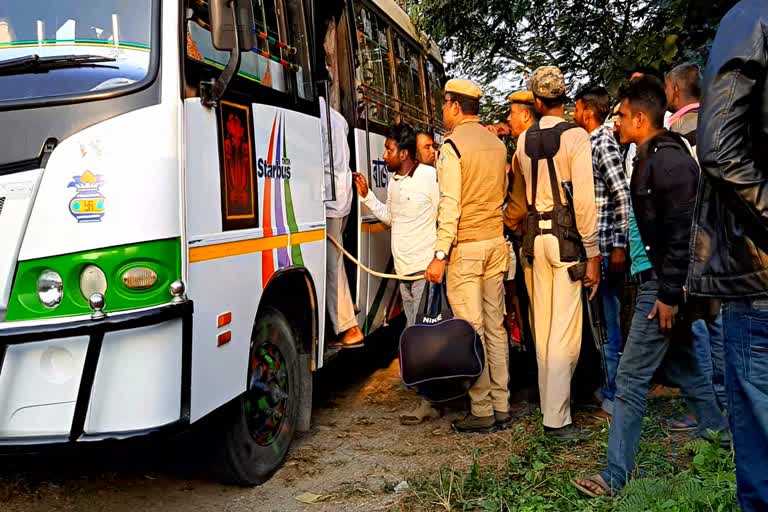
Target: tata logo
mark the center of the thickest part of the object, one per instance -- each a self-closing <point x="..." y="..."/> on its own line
<point x="280" y="171"/>
<point x="380" y="177"/>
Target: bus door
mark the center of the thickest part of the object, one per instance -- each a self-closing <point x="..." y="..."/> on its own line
<point x="254" y="206"/>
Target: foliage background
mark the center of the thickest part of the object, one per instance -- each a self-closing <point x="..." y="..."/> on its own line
<point x="499" y="42"/>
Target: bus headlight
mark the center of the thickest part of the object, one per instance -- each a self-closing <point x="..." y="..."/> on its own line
<point x="93" y="280"/>
<point x="50" y="288"/>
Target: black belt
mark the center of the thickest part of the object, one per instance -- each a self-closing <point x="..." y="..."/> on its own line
<point x="540" y="216"/>
<point x="646" y="276"/>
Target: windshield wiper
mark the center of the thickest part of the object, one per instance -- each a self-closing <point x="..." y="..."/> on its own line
<point x="35" y="63"/>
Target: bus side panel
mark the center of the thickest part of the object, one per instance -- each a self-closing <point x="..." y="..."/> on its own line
<point x="216" y="285"/>
<point x="376" y="297"/>
<point x="234" y="253"/>
<point x="290" y="181"/>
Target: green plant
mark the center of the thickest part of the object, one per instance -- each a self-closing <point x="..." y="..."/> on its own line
<point x="534" y="475"/>
<point x="708" y="485"/>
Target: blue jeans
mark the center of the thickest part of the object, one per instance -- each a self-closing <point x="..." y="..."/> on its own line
<point x="612" y="349"/>
<point x="745" y="326"/>
<point x="645" y="351"/>
<point x="708" y="342"/>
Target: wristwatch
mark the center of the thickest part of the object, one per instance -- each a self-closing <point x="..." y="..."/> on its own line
<point x="440" y="255"/>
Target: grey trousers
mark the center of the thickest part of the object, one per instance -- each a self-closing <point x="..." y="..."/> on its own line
<point x="411" y="292"/>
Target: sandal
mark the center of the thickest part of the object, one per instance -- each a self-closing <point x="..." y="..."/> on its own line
<point x="598" y="481"/>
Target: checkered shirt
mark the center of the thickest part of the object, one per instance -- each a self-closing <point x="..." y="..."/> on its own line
<point x="611" y="191"/>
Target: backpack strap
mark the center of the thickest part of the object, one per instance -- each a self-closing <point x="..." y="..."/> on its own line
<point x="543" y="144"/>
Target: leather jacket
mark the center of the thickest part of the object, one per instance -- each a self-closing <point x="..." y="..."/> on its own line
<point x="663" y="189"/>
<point x="729" y="240"/>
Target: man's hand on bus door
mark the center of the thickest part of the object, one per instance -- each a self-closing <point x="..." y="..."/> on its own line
<point x="592" y="276"/>
<point x="435" y="271"/>
<point x="361" y="184"/>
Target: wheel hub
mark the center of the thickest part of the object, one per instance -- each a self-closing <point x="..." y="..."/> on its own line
<point x="267" y="396"/>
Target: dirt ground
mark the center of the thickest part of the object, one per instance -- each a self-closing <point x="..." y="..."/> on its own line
<point x="353" y="457"/>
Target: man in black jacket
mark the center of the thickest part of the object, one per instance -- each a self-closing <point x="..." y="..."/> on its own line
<point x="729" y="257"/>
<point x="663" y="191"/>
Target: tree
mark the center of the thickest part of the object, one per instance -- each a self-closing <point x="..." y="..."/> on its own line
<point x="598" y="41"/>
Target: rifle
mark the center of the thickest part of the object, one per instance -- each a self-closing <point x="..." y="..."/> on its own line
<point x="594" y="307"/>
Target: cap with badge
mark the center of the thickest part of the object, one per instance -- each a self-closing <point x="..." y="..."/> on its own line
<point x="548" y="82"/>
<point x="524" y="97"/>
<point x="463" y="87"/>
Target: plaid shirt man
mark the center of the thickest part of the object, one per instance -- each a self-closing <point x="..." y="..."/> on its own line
<point x="611" y="191"/>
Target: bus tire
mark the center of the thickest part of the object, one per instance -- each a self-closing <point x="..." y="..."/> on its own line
<point x="259" y="426"/>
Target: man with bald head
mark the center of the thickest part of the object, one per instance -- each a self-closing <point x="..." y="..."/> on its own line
<point x="682" y="87"/>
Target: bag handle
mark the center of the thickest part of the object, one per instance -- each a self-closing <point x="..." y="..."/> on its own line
<point x="434" y="306"/>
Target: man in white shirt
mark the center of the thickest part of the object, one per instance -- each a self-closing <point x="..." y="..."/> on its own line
<point x="411" y="211"/>
<point x="341" y="309"/>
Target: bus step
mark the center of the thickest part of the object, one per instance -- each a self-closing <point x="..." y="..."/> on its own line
<point x="330" y="352"/>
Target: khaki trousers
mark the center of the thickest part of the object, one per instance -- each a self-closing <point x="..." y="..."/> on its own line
<point x="338" y="299"/>
<point x="475" y="286"/>
<point x="557" y="323"/>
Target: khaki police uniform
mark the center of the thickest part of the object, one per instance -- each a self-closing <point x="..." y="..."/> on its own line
<point x="556" y="300"/>
<point x="472" y="176"/>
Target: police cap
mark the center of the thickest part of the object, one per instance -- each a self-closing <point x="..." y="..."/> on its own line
<point x="463" y="87"/>
<point x="524" y="97"/>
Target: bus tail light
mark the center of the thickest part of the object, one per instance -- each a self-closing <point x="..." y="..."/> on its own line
<point x="139" y="278"/>
<point x="224" y="338"/>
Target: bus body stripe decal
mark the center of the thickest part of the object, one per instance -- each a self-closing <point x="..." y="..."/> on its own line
<point x="267" y="260"/>
<point x="379" y="297"/>
<point x="283" y="260"/>
<point x="298" y="259"/>
<point x="263" y="245"/>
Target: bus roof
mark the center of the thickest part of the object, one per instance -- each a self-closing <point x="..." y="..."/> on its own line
<point x="403" y="21"/>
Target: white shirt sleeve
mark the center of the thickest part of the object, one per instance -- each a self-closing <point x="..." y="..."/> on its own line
<point x="382" y="211"/>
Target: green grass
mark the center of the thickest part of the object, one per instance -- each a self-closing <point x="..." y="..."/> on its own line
<point x="529" y="473"/>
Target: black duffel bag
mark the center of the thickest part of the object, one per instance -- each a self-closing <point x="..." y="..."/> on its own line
<point x="440" y="356"/>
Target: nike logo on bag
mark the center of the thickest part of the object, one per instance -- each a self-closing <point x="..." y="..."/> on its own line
<point x="432" y="320"/>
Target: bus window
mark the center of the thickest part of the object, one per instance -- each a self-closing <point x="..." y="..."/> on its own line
<point x="409" y="87"/>
<point x="435" y="80"/>
<point x="299" y="39"/>
<point x="374" y="70"/>
<point x="268" y="63"/>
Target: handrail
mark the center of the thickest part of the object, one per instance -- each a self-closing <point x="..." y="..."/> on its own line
<point x="280" y="44"/>
<point x="289" y="49"/>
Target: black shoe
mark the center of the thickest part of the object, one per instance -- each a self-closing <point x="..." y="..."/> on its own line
<point x="567" y="433"/>
<point x="503" y="420"/>
<point x="476" y="424"/>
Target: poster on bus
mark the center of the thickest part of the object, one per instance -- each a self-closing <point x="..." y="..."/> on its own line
<point x="236" y="168"/>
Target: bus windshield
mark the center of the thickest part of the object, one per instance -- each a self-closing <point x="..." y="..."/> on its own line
<point x="72" y="47"/>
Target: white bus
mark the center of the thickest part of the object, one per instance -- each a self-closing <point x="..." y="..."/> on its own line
<point x="162" y="223"/>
